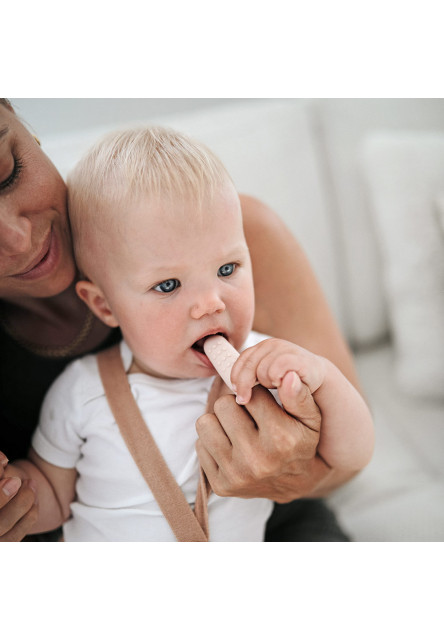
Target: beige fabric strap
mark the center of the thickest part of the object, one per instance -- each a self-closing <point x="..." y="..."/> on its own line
<point x="186" y="525"/>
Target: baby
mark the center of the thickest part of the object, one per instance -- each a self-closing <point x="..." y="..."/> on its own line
<point x="158" y="237"/>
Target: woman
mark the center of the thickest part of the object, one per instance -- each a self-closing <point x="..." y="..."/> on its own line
<point x="43" y="325"/>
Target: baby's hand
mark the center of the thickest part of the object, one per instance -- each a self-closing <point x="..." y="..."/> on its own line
<point x="276" y="364"/>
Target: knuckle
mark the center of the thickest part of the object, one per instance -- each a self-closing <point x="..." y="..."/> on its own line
<point x="245" y="367"/>
<point x="223" y="403"/>
<point x="221" y="487"/>
<point x="203" y="422"/>
<point x="221" y="490"/>
<point x="233" y="479"/>
<point x="249" y="364"/>
<point x="232" y="482"/>
<point x="199" y="426"/>
<point x="274" y="343"/>
<point x="265" y="467"/>
<point x="259" y="465"/>
<point x="283" y="442"/>
<point x="284" y="496"/>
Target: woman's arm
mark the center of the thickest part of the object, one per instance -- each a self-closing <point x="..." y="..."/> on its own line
<point x="289" y="301"/>
<point x="55" y="488"/>
<point x="18" y="508"/>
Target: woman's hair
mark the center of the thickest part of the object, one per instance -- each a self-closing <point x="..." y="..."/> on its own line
<point x="150" y="162"/>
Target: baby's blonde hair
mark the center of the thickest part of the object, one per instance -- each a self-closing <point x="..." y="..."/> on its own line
<point x="123" y="166"/>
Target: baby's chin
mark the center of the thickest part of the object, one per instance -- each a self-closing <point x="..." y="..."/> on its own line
<point x="200" y="368"/>
<point x="201" y="365"/>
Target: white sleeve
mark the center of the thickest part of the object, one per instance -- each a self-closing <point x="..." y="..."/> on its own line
<point x="57" y="438"/>
<point x="253" y="338"/>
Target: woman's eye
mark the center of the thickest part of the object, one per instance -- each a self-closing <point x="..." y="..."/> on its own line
<point x="9" y="181"/>
<point x="226" y="270"/>
<point x="167" y="285"/>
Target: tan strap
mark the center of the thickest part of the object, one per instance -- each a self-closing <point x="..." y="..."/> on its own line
<point x="186" y="525"/>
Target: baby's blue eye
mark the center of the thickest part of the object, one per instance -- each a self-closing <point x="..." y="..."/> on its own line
<point x="167" y="285"/>
<point x="226" y="270"/>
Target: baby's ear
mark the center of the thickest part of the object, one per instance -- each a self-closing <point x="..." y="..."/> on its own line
<point x="93" y="296"/>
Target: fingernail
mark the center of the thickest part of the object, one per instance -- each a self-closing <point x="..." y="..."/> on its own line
<point x="11" y="486"/>
<point x="295" y="382"/>
<point x="240" y="400"/>
<point x="3" y="459"/>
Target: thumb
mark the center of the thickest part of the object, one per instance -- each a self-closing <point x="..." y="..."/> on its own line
<point x="298" y="401"/>
<point x="8" y="488"/>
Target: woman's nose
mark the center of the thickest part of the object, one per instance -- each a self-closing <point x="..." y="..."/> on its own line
<point x="15" y="234"/>
<point x="207" y="303"/>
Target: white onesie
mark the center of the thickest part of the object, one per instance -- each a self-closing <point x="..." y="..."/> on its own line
<point x="113" y="501"/>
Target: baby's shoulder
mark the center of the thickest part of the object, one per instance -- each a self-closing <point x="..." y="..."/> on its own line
<point x="78" y="383"/>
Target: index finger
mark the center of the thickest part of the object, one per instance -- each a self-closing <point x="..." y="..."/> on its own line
<point x="275" y="431"/>
<point x="243" y="424"/>
<point x="244" y="371"/>
<point x="300" y="408"/>
<point x="16" y="507"/>
<point x="263" y="407"/>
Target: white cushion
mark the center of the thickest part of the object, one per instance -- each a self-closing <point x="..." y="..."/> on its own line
<point x="343" y="124"/>
<point x="399" y="496"/>
<point x="439" y="204"/>
<point x="405" y="175"/>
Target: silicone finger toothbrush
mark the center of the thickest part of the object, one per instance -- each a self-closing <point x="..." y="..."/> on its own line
<point x="222" y="356"/>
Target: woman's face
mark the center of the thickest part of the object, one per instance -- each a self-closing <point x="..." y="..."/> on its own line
<point x="36" y="257"/>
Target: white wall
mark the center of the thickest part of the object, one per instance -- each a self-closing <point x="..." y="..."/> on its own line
<point x="47" y="116"/>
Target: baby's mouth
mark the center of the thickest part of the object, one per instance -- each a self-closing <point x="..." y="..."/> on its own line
<point x="198" y="345"/>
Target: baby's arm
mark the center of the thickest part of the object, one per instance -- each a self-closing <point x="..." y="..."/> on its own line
<point x="346" y="437"/>
<point x="55" y="489"/>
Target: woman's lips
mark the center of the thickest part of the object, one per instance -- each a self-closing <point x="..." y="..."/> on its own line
<point x="44" y="262"/>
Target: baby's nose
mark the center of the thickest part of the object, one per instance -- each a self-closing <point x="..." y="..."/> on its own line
<point x="207" y="304"/>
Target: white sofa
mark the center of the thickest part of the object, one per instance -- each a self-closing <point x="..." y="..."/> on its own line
<point x="361" y="184"/>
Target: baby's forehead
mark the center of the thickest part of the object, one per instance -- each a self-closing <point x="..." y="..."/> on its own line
<point x="192" y="206"/>
<point x="173" y="214"/>
<point x="118" y="224"/>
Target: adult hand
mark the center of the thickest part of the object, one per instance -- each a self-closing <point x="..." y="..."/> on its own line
<point x="260" y="449"/>
<point x="18" y="510"/>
